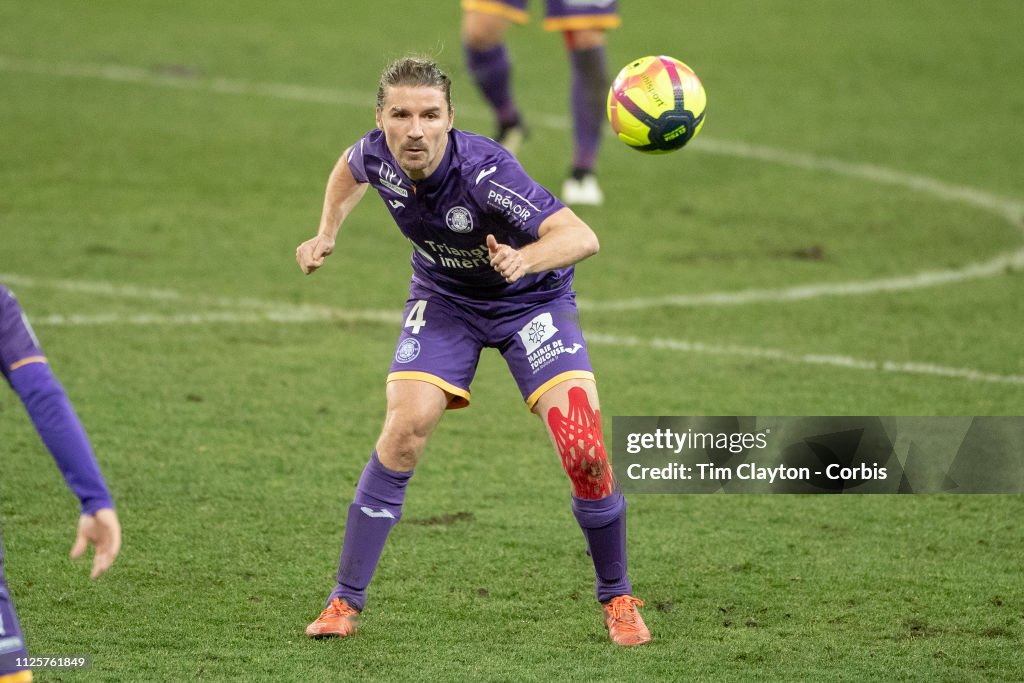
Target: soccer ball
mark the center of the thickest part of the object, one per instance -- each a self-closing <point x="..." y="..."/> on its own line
<point x="656" y="104"/>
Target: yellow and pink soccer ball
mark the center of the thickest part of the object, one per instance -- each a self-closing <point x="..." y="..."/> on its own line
<point x="656" y="104"/>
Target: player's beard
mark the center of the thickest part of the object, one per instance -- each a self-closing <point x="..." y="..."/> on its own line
<point x="416" y="158"/>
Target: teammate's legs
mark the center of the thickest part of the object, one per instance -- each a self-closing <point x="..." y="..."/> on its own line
<point x="584" y="24"/>
<point x="12" y="643"/>
<point x="589" y="65"/>
<point x="483" y="40"/>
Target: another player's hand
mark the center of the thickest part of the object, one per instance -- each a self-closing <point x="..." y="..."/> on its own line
<point x="506" y="260"/>
<point x="311" y="253"/>
<point x="103" y="531"/>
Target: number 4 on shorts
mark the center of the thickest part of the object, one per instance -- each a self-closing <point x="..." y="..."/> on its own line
<point x="416" y="319"/>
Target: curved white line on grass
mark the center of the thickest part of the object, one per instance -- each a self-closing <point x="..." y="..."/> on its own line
<point x="839" y="361"/>
<point x="1003" y="263"/>
<point x="224" y="86"/>
<point x="317" y="315"/>
<point x="117" y="291"/>
<point x="153" y="77"/>
<point x="263" y="311"/>
<point x="299" y="314"/>
<point x="1010" y="210"/>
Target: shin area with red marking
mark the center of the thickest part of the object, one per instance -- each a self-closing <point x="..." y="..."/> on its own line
<point x="581" y="447"/>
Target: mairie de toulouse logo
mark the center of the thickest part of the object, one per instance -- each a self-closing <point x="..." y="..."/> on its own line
<point x="459" y="219"/>
<point x="407" y="350"/>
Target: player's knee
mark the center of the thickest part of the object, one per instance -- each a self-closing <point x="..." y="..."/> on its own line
<point x="589" y="472"/>
<point x="586" y="39"/>
<point x="578" y="439"/>
<point x="481" y="31"/>
<point x="400" y="446"/>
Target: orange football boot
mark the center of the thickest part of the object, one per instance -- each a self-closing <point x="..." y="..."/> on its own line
<point x="338" y="620"/>
<point x="625" y="625"/>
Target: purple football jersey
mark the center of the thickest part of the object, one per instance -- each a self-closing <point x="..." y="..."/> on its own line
<point x="18" y="344"/>
<point x="477" y="190"/>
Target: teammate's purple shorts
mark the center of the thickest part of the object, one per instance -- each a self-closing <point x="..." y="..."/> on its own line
<point x="561" y="15"/>
<point x="18" y="344"/>
<point x="442" y="337"/>
<point x="12" y="643"/>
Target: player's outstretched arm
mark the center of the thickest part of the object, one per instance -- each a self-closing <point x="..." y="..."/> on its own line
<point x="58" y="426"/>
<point x="342" y="194"/>
<point x="564" y="239"/>
<point x="102" y="530"/>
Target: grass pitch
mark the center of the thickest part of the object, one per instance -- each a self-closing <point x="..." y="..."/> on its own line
<point x="844" y="237"/>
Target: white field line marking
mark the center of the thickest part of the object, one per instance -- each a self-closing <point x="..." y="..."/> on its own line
<point x="117" y="291"/>
<point x="840" y="361"/>
<point x="315" y="315"/>
<point x="299" y="314"/>
<point x="1012" y="261"/>
<point x="1010" y="210"/>
<point x="226" y="86"/>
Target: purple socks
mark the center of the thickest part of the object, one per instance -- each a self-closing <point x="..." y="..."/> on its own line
<point x="589" y="96"/>
<point x="603" y="522"/>
<point x="492" y="72"/>
<point x="376" y="508"/>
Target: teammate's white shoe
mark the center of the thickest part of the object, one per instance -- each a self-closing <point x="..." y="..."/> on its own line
<point x="582" y="191"/>
<point x="512" y="137"/>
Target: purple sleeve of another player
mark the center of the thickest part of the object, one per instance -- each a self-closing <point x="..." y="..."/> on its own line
<point x="23" y="363"/>
<point x="62" y="433"/>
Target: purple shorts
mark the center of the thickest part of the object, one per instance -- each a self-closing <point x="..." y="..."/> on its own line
<point x="12" y="643"/>
<point x="561" y="15"/>
<point x="442" y="337"/>
<point x="18" y="344"/>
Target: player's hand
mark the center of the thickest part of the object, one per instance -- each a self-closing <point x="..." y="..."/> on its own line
<point x="103" y="531"/>
<point x="506" y="260"/>
<point x="311" y="253"/>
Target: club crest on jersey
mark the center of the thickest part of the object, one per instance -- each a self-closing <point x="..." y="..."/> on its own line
<point x="390" y="179"/>
<point x="459" y="219"/>
<point x="407" y="351"/>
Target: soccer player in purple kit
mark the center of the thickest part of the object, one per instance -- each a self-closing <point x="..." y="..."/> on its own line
<point x="25" y="367"/>
<point x="583" y="24"/>
<point x="492" y="260"/>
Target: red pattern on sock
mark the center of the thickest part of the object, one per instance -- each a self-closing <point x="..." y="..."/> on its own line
<point x="579" y="443"/>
